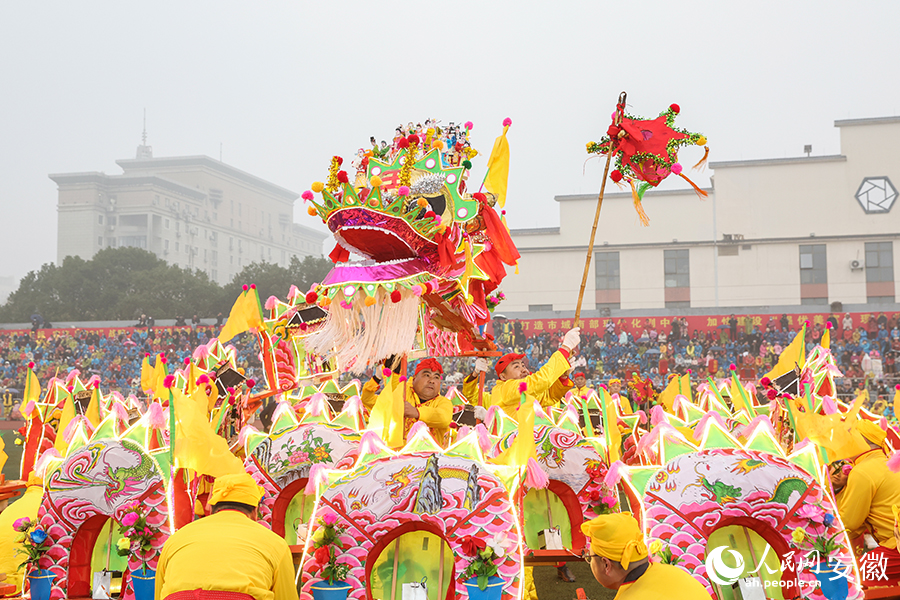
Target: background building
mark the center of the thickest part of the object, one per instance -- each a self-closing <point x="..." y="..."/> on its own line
<point x="773" y="235"/>
<point x="192" y="211"/>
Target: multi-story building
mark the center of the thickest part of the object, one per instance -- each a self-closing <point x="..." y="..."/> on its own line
<point x="192" y="211"/>
<point x="773" y="235"/>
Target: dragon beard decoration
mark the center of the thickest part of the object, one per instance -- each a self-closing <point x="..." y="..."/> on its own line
<point x="433" y="252"/>
<point x="646" y="151"/>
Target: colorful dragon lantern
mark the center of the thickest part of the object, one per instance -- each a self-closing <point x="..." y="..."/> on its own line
<point x="433" y="251"/>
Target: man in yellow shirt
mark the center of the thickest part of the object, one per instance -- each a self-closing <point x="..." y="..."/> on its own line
<point x="866" y="500"/>
<point x="581" y="389"/>
<point x="547" y="385"/>
<point x="619" y="561"/>
<point x="424" y="401"/>
<point x="227" y="551"/>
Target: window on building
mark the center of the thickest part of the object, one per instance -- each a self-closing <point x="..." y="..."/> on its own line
<point x="177" y="246"/>
<point x="606" y="267"/>
<point x="678" y="269"/>
<point x="167" y="201"/>
<point x="540" y="307"/>
<point x="99" y="219"/>
<point x="177" y="225"/>
<point x="100" y="240"/>
<point x="166" y="245"/>
<point x="812" y="264"/>
<point x="214" y="275"/>
<point x="167" y="224"/>
<point x="880" y="272"/>
<point x="215" y="255"/>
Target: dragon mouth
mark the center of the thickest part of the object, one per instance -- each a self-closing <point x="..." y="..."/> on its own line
<point x="369" y="271"/>
<point x="379" y="236"/>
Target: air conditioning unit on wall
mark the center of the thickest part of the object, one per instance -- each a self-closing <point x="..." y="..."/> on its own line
<point x="856" y="265"/>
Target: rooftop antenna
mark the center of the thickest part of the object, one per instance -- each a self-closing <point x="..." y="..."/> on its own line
<point x="144" y="151"/>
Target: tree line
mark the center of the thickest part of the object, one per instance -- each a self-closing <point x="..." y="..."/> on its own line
<point x="124" y="283"/>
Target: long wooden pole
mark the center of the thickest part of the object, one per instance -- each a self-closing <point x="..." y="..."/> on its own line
<point x="590" y="252"/>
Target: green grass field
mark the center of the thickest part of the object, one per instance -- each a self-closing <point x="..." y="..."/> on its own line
<point x="551" y="588"/>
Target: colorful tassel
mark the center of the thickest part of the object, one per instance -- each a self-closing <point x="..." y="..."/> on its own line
<point x="700" y="192"/>
<point x="484" y="440"/>
<point x="71" y="428"/>
<point x="702" y="161"/>
<point x="245" y="431"/>
<point x="535" y="477"/>
<point x="642" y="216"/>
<point x="370" y="443"/>
<point x="41" y="465"/>
<point x="121" y="412"/>
<point x="657" y="416"/>
<point x="417" y="428"/>
<point x="893" y="462"/>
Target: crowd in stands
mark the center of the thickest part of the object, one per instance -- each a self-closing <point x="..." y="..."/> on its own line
<point x="867" y="355"/>
<point x="114" y="355"/>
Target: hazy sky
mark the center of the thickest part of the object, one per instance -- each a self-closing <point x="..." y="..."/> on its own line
<point x="286" y="85"/>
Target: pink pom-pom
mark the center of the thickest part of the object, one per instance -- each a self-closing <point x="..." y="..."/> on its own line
<point x="94" y="381"/>
<point x="72" y="375"/>
<point x="484" y="441"/>
<point x="292" y="292"/>
<point x="155" y="416"/>
<point x="121" y="412"/>
<point x="246" y="430"/>
<point x="386" y="372"/>
<point x="806" y="323"/>
<point x="271" y="302"/>
<point x="252" y="286"/>
<point x="370" y="443"/>
<point x="893" y="462"/>
<point x="245" y="287"/>
<point x="203" y="379"/>
<point x="677" y="168"/>
<point x="771" y="394"/>
<point x="403" y="190"/>
<point x="535" y="477"/>
<point x="657" y="416"/>
<point x="201" y="352"/>
<point x="897" y="387"/>
<point x="690" y="371"/>
<point x="416" y="290"/>
<point x="29" y="408"/>
<point x="642" y="417"/>
<point x="829" y="407"/>
<point x="469" y="125"/>
<point x="765" y="382"/>
<point x="418" y="427"/>
<point x="732" y="367"/>
<point x="507" y="122"/>
<point x="614" y="475"/>
<point x="251" y="383"/>
<point x="31" y="365"/>
<point x="41" y="465"/>
<point x="828" y="325"/>
<point x="169" y="381"/>
<point x="402" y="378"/>
<point x="147" y="355"/>
<point x="307" y="195"/>
<point x="523" y="387"/>
<point x="317" y="475"/>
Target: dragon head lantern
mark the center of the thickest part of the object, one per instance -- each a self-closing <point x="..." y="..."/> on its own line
<point x="432" y="251"/>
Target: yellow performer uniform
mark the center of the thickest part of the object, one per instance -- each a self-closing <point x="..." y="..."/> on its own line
<point x="872" y="488"/>
<point x="228" y="551"/>
<point x="617" y="538"/>
<point x="437" y="413"/>
<point x="26" y="506"/>
<point x="548" y="385"/>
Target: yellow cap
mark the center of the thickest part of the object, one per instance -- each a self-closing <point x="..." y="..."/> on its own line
<point x="871" y="431"/>
<point x="616" y="536"/>
<point x="236" y="487"/>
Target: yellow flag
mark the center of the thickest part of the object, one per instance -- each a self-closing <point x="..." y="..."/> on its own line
<point x="68" y="413"/>
<point x="741" y="401"/>
<point x="245" y="314"/>
<point x="794" y="354"/>
<point x="685" y="388"/>
<point x="666" y="397"/>
<point x="197" y="446"/>
<point x="386" y="418"/>
<point x="826" y="339"/>
<point x="3" y="455"/>
<point x="897" y="403"/>
<point x="147" y="376"/>
<point x="32" y="388"/>
<point x="92" y="412"/>
<point x="523" y="447"/>
<point x="498" y="167"/>
<point x="611" y="426"/>
<point x="625" y="404"/>
<point x="158" y="378"/>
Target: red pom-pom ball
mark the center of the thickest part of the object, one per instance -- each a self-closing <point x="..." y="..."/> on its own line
<point x="765" y="382"/>
<point x="413" y="139"/>
<point x="616" y="176"/>
<point x="771" y="394"/>
<point x="507" y="122"/>
<point x="245" y="287"/>
<point x="395" y="296"/>
<point x="732" y="367"/>
<point x="251" y="383"/>
<point x="675" y="108"/>
<point x="342" y="177"/>
<point x="311" y="297"/>
<point x="402" y="143"/>
<point x="31" y="365"/>
<point x="828" y="325"/>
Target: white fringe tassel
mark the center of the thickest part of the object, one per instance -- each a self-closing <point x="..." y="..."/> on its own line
<point x="362" y="336"/>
